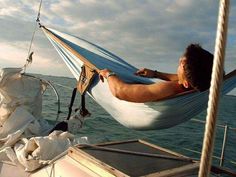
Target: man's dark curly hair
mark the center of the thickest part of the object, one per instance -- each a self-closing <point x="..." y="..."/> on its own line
<point x="198" y="67"/>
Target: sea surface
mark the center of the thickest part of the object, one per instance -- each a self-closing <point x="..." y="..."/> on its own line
<point x="185" y="138"/>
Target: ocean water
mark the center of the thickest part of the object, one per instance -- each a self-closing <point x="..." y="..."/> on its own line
<point x="185" y="138"/>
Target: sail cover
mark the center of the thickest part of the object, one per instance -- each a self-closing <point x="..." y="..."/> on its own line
<point x="141" y="116"/>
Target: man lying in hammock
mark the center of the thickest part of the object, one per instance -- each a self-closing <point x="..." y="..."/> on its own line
<point x="193" y="73"/>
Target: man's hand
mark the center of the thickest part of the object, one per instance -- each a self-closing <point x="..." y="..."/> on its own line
<point x="104" y="74"/>
<point x="144" y="72"/>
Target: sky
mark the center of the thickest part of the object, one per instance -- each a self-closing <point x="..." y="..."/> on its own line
<point x="146" y="33"/>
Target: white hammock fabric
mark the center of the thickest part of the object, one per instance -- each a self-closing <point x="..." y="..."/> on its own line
<point x="140" y="116"/>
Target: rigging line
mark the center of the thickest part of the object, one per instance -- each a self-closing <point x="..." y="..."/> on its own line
<point x="37" y="21"/>
<point x="217" y="77"/>
<point x="29" y="56"/>
<point x="38" y="16"/>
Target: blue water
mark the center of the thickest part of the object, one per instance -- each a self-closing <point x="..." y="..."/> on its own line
<point x="101" y="127"/>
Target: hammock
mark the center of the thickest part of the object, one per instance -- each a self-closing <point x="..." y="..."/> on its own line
<point x="140" y="116"/>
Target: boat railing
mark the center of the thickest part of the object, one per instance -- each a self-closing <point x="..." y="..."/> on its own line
<point x="220" y="158"/>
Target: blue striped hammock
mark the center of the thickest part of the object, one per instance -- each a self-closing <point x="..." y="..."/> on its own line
<point x="141" y="116"/>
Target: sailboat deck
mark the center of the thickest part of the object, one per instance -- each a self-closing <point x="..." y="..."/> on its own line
<point x="133" y="158"/>
<point x="128" y="158"/>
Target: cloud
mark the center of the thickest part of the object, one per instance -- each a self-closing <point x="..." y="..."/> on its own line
<point x="11" y="55"/>
<point x="21" y="10"/>
<point x="15" y="55"/>
<point x="139" y="31"/>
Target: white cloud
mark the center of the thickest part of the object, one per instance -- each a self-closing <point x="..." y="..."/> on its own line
<point x="6" y="10"/>
<point x="157" y="31"/>
<point x="14" y="55"/>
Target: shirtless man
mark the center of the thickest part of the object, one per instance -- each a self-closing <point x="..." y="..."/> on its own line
<point x="193" y="73"/>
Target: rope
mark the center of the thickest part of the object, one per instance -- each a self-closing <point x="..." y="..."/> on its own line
<point x="217" y="76"/>
<point x="30" y="54"/>
<point x="64" y="86"/>
<point x="38" y="16"/>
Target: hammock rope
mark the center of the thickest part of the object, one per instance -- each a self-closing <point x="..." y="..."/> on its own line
<point x="217" y="76"/>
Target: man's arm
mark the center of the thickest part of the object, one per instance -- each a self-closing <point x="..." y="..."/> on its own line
<point x="144" y="72"/>
<point x="139" y="92"/>
<point x="166" y="76"/>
